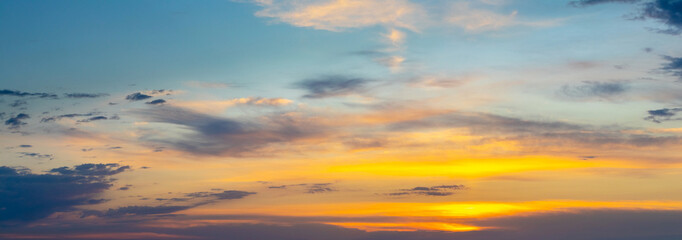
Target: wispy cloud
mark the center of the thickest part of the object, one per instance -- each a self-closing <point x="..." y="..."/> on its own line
<point x="332" y="86"/>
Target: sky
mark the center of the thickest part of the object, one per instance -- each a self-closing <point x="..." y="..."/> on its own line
<point x="341" y="119"/>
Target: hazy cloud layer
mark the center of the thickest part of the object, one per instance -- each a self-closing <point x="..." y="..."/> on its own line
<point x="213" y="135"/>
<point x="565" y="225"/>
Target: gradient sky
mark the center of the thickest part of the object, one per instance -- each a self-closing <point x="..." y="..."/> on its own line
<point x="341" y="119"/>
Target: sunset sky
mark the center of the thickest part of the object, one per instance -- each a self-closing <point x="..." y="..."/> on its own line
<point x="341" y="119"/>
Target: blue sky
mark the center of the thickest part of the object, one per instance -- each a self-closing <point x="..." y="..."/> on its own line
<point x="362" y="119"/>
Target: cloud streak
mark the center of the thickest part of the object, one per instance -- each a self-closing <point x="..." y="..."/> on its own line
<point x="332" y="86"/>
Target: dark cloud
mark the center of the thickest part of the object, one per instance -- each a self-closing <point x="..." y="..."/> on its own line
<point x="161" y="92"/>
<point x="224" y="195"/>
<point x="139" y="210"/>
<point x="664" y="114"/>
<point x="216" y="135"/>
<point x="91" y="118"/>
<point x="157" y="101"/>
<point x="232" y="194"/>
<point x="668" y="12"/>
<point x="96" y="118"/>
<point x="594" y="2"/>
<point x="91" y="169"/>
<point x="319" y="188"/>
<point x="137" y="96"/>
<point x="332" y="86"/>
<point x="71" y="115"/>
<point x="25" y="146"/>
<point x="25" y="196"/>
<point x="85" y="95"/>
<point x="673" y="67"/>
<point x="6" y="92"/>
<point x="442" y="190"/>
<point x="203" y="197"/>
<point x="36" y="155"/>
<point x="310" y="188"/>
<point x="18" y="103"/>
<point x="588" y="89"/>
<point x="17" y="121"/>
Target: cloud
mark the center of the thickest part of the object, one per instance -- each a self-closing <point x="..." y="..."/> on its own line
<point x="588" y="225"/>
<point x="25" y="196"/>
<point x="664" y="114"/>
<point x="589" y="89"/>
<point x="337" y="15"/>
<point x="204" y="197"/>
<point x="137" y="96"/>
<point x="540" y="133"/>
<point x="6" y="92"/>
<point x="92" y="169"/>
<point x="568" y="224"/>
<point x="156" y="102"/>
<point x="37" y="155"/>
<point x="17" y="121"/>
<point x="470" y="19"/>
<point x="395" y="36"/>
<point x="96" y="118"/>
<point x="85" y="95"/>
<point x="231" y="194"/>
<point x="140" y="210"/>
<point x="583" y="3"/>
<point x="442" y="190"/>
<point x="226" y="194"/>
<point x="319" y="188"/>
<point x="262" y="101"/>
<point x="18" y="103"/>
<point x="25" y="146"/>
<point x="71" y="115"/>
<point x="221" y="105"/>
<point x="332" y="86"/>
<point x="668" y="12"/>
<point x="310" y="188"/>
<point x="674" y="66"/>
<point x="212" y="135"/>
<point x="74" y="115"/>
